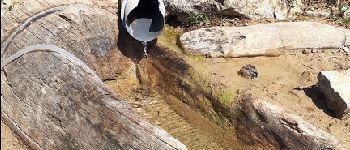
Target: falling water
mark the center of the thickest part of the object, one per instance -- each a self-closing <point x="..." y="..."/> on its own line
<point x="144" y="43"/>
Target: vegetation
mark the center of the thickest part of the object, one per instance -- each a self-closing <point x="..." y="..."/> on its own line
<point x="342" y="8"/>
<point x="171" y="33"/>
<point x="196" y="18"/>
<point x="169" y="38"/>
<point x="226" y="98"/>
<point x="197" y="58"/>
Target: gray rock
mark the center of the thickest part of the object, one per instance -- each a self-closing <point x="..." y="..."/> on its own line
<point x="273" y="127"/>
<point x="56" y="101"/>
<point x="255" y="9"/>
<point x="52" y="95"/>
<point x="322" y="13"/>
<point x="184" y="8"/>
<point x="263" y="39"/>
<point x="336" y="87"/>
<point x="63" y="26"/>
<point x="248" y="71"/>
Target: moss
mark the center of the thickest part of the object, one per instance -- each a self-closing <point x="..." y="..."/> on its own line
<point x="171" y="33"/>
<point x="196" y="18"/>
<point x="169" y="38"/>
<point x="220" y="121"/>
<point x="226" y="98"/>
<point x="197" y="58"/>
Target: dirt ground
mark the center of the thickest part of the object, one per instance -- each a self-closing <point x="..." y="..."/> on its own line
<point x="170" y="113"/>
<point x="288" y="81"/>
<point x="180" y="120"/>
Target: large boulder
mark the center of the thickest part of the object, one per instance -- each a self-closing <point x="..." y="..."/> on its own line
<point x="184" y="8"/>
<point x="248" y="9"/>
<point x="274" y="127"/>
<point x="52" y="95"/>
<point x="335" y="85"/>
<point x="14" y="12"/>
<point x="257" y="9"/>
<point x="263" y="39"/>
<point x="69" y="26"/>
<point x="53" y="100"/>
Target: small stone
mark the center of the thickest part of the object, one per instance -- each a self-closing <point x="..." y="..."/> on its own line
<point x="43" y="91"/>
<point x="248" y="71"/>
<point x="138" y="110"/>
<point x="208" y="55"/>
<point x="346" y="49"/>
<point x="335" y="86"/>
<point x="306" y="51"/>
<point x="305" y="76"/>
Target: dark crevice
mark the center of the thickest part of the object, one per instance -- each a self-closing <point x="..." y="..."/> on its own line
<point x="138" y="74"/>
<point x="279" y="140"/>
<point x="260" y="116"/>
<point x="65" y="18"/>
<point x="292" y="125"/>
<point x="173" y="21"/>
<point x="108" y="79"/>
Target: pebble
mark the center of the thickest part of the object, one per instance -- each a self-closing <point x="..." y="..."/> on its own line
<point x="346" y="49"/>
<point x="248" y="71"/>
<point x="306" y="51"/>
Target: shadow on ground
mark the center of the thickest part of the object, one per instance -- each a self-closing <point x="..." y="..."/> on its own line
<point x="318" y="98"/>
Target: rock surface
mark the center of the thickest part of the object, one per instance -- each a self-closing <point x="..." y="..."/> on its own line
<point x="248" y="71"/>
<point x="184" y="8"/>
<point x="9" y="139"/>
<point x="336" y="86"/>
<point x="263" y="39"/>
<point x="315" y="13"/>
<point x="249" y="9"/>
<point x="69" y="26"/>
<point x="52" y="100"/>
<point x="257" y="9"/>
<point x="275" y="128"/>
<point x="52" y="94"/>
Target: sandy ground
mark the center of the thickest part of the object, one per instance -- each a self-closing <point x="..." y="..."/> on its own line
<point x="180" y="120"/>
<point x="9" y="140"/>
<point x="288" y="81"/>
